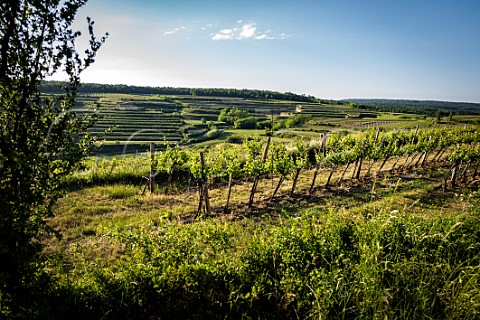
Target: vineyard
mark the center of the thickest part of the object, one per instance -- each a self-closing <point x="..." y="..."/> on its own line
<point x="127" y="123"/>
<point x="367" y="155"/>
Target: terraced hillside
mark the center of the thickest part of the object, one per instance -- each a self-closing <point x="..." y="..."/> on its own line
<point x="128" y="123"/>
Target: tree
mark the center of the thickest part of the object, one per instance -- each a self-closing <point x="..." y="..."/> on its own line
<point x="41" y="139"/>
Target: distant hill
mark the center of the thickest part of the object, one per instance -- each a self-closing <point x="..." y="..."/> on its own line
<point x="427" y="107"/>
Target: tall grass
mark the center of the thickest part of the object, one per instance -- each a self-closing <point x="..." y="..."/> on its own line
<point x="318" y="264"/>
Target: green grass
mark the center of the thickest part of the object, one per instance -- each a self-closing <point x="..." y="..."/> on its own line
<point x="387" y="254"/>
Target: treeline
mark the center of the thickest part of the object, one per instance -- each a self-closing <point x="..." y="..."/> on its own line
<point x="55" y="87"/>
<point x="426" y="107"/>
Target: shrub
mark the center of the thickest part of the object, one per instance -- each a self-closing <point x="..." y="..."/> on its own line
<point x="246" y="123"/>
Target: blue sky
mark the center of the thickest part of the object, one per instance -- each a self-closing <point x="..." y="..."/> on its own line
<point x="330" y="49"/>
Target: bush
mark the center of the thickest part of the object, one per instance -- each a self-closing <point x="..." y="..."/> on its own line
<point x="266" y="124"/>
<point x="297" y="120"/>
<point x="246" y="123"/>
<point x="213" y="134"/>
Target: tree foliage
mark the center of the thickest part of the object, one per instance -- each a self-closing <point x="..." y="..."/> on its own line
<point x="41" y="139"/>
<point x="231" y="115"/>
<point x="54" y="86"/>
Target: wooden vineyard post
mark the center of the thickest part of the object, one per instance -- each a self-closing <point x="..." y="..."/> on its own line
<point x="152" y="169"/>
<point x="230" y="178"/>
<point x="205" y="187"/>
<point x="454" y="174"/>
<point x="382" y="165"/>
<point x="360" y="160"/>
<point x="425" y="155"/>
<point x="436" y="157"/>
<point x="255" y="181"/>
<point x="297" y="173"/>
<point x="280" y="181"/>
<point x="323" y="149"/>
<point x="344" y="172"/>
<point x="395" y="164"/>
<point x="204" y="201"/>
<point x="387" y="157"/>
<point x="372" y="163"/>
<point x="330" y="177"/>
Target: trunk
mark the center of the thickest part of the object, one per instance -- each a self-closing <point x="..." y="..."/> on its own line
<point x="152" y="169"/>
<point x="315" y="173"/>
<point x="255" y="181"/>
<point x="454" y="175"/>
<point x="252" y="192"/>
<point x="475" y="171"/>
<point x="354" y="169"/>
<point x="382" y="165"/>
<point x="424" y="160"/>
<point x="441" y="154"/>
<point x="203" y="190"/>
<point x="445" y="178"/>
<point x="207" y="199"/>
<point x="394" y="164"/>
<point x="359" y="162"/>
<point x="421" y="156"/>
<point x="297" y="173"/>
<point x="412" y="160"/>
<point x="146" y="185"/>
<point x="369" y="169"/>
<point x="359" y="169"/>
<point x="230" y="178"/>
<point x="329" y="177"/>
<point x="200" y="200"/>
<point x="436" y="157"/>
<point x="278" y="187"/>
<point x="405" y="163"/>
<point x="463" y="175"/>
<point x="343" y="173"/>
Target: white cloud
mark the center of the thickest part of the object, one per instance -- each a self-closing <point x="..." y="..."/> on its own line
<point x="246" y="31"/>
<point x="178" y="29"/>
<point x="224" y="34"/>
<point x="262" y="37"/>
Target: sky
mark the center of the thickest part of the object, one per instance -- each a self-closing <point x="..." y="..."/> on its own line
<point x="408" y="49"/>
